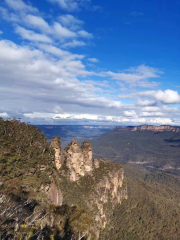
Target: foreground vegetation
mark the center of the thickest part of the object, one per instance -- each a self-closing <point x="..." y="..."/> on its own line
<point x="24" y="153"/>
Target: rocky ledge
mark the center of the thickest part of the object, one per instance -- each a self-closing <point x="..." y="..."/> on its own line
<point x="161" y="128"/>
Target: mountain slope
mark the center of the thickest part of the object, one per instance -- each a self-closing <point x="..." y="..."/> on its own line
<point x="152" y="150"/>
<point x="152" y="211"/>
<point x="47" y="193"/>
<point x="50" y="193"/>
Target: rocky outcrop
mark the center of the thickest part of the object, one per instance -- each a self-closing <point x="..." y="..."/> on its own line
<point x="109" y="190"/>
<point x="161" y="128"/>
<point x="96" y="163"/>
<point x="101" y="181"/>
<point x="56" y="145"/>
<point x="78" y="159"/>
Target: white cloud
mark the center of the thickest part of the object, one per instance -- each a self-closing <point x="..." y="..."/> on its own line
<point x="4" y="115"/>
<point x="139" y="73"/>
<point x="36" y="22"/>
<point x="84" y="34"/>
<point x="49" y="85"/>
<point x="162" y="121"/>
<point x="77" y="116"/>
<point x="18" y="54"/>
<point x="95" y="118"/>
<point x="131" y="113"/>
<point x="71" y="5"/>
<point x="94" y="60"/>
<point x="56" y="29"/>
<point x="70" y="21"/>
<point x="62" y="31"/>
<point x="76" y="5"/>
<point x="1" y="32"/>
<point x="168" y="96"/>
<point x="151" y="109"/>
<point x="19" y="5"/>
<point x="151" y="114"/>
<point x="54" y="83"/>
<point x="31" y="35"/>
<point x="136" y="76"/>
<point x="43" y="82"/>
<point x="54" y="50"/>
<point x="145" y="103"/>
<point x="9" y="16"/>
<point x="73" y="44"/>
<point x="69" y="27"/>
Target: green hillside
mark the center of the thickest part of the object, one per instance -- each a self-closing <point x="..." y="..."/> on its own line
<point x="39" y="201"/>
<point x="150" y="150"/>
<point x="152" y="211"/>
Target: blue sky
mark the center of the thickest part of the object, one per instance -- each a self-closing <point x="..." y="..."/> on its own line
<point x="90" y="62"/>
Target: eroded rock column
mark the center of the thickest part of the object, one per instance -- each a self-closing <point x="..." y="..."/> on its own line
<point x="56" y="145"/>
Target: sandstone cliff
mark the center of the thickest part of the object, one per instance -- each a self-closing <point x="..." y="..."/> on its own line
<point x="108" y="191"/>
<point x="56" y="145"/>
<point x="99" y="183"/>
<point x="78" y="159"/>
<point x="150" y="128"/>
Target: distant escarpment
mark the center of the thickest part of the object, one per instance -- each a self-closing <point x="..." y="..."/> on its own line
<point x="48" y="193"/>
<point x="150" y="128"/>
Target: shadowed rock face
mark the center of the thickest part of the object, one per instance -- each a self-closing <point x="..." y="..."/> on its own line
<point x="150" y="128"/>
<point x="109" y="190"/>
<point x="55" y="194"/>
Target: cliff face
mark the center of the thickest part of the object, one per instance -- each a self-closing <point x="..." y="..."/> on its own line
<point x="54" y="194"/>
<point x="100" y="182"/>
<point x="109" y="190"/>
<point x="49" y="193"/>
<point x="150" y="128"/>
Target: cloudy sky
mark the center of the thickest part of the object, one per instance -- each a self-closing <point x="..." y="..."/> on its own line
<point x="90" y="62"/>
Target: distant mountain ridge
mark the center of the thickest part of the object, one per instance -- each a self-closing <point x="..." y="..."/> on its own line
<point x="68" y="132"/>
<point x="150" y="147"/>
<point x="150" y="128"/>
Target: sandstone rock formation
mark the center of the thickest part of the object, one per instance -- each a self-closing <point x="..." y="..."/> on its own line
<point x="96" y="163"/>
<point x="56" y="145"/>
<point x="150" y="128"/>
<point x="101" y="181"/>
<point x="78" y="159"/>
